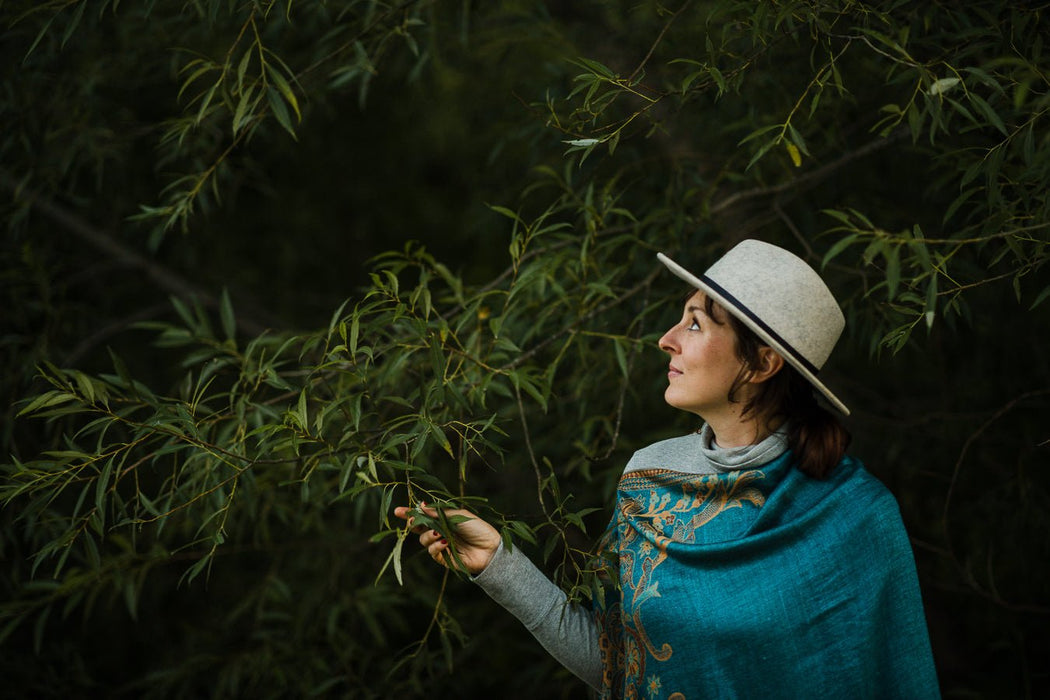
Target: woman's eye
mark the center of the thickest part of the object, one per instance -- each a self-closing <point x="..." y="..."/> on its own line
<point x="694" y="326"/>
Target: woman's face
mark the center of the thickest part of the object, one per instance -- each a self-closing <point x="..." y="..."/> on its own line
<point x="704" y="363"/>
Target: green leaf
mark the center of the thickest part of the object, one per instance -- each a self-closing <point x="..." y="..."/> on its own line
<point x="229" y="324"/>
<point x="301" y="411"/>
<point x="442" y="439"/>
<point x="355" y="330"/>
<point x="840" y="245"/>
<point x="756" y="133"/>
<point x="1043" y="295"/>
<point x="242" y="68"/>
<point x="918" y="245"/>
<point x="38" y="629"/>
<point x="50" y="398"/>
<point x="930" y="307"/>
<point x="797" y="140"/>
<point x="990" y="114"/>
<point x="939" y="87"/>
<point x="621" y="358"/>
<point x="280" y="111"/>
<point x="74" y="22"/>
<point x="891" y="253"/>
<point x="245" y="109"/>
<point x="512" y="215"/>
<point x="719" y="79"/>
<point x="762" y="151"/>
<point x="285" y="89"/>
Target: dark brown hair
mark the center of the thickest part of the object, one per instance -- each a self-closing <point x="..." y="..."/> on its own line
<point x="815" y="437"/>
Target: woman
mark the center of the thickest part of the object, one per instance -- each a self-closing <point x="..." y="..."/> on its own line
<point x="754" y="559"/>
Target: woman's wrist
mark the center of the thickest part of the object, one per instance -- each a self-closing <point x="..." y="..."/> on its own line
<point x="491" y="565"/>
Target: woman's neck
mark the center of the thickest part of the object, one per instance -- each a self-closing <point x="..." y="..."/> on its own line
<point x="737" y="432"/>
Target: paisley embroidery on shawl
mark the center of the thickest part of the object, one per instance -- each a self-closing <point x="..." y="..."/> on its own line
<point x="654" y="509"/>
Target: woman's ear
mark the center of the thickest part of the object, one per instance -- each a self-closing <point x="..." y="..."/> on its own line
<point x="769" y="363"/>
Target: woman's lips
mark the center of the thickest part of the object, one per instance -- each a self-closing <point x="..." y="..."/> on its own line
<point x="673" y="372"/>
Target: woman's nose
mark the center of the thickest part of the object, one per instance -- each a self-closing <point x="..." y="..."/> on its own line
<point x="668" y="342"/>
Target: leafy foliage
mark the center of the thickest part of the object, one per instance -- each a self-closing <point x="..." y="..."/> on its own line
<point x="215" y="502"/>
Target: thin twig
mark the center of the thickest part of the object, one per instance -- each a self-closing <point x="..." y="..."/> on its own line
<point x="1009" y="406"/>
<point x="625" y="383"/>
<point x="659" y="38"/>
<point x="532" y="453"/>
<point x="810" y="177"/>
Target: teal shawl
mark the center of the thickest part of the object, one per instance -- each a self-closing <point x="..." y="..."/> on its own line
<point x="762" y="583"/>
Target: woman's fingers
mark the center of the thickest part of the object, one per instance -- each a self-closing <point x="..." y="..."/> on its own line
<point x="437" y="550"/>
<point x="405" y="513"/>
<point x="430" y="537"/>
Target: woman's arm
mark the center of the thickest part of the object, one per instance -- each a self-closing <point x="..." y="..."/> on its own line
<point x="567" y="631"/>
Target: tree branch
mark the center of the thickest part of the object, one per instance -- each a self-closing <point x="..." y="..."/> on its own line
<point x="167" y="280"/>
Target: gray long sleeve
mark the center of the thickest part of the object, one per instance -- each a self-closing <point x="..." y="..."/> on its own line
<point x="568" y="632"/>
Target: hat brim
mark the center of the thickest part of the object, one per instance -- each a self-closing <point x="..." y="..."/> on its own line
<point x="731" y="305"/>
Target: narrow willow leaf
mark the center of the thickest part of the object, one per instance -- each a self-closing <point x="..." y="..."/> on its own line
<point x="301" y="411"/>
<point x="918" y="245"/>
<point x="355" y="330"/>
<point x="990" y="114"/>
<point x="796" y="139"/>
<point x="621" y="358"/>
<point x="756" y="133"/>
<point x="206" y="99"/>
<point x="939" y="87"/>
<point x="441" y="438"/>
<point x="285" y="90"/>
<point x="841" y="216"/>
<point x="204" y="67"/>
<point x="280" y="111"/>
<point x="762" y="151"/>
<point x="839" y="246"/>
<point x="242" y="68"/>
<point x="102" y="485"/>
<point x="395" y="559"/>
<point x="229" y="323"/>
<point x="38" y="629"/>
<point x="245" y="109"/>
<point x="719" y="79"/>
<point x="40" y="35"/>
<point x="1043" y="295"/>
<point x="50" y="398"/>
<point x="891" y="254"/>
<point x="930" y="308"/>
<point x="74" y="22"/>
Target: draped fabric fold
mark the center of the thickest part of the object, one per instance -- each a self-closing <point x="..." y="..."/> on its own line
<point x="762" y="583"/>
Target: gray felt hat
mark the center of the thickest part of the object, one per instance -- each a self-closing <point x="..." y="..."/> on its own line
<point x="781" y="298"/>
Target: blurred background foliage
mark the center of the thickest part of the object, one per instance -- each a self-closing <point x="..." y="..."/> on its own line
<point x="271" y="268"/>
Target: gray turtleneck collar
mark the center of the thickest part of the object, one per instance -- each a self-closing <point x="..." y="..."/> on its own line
<point x="697" y="453"/>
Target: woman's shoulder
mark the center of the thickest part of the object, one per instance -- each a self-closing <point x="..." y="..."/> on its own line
<point x="663" y="454"/>
<point x="866" y="493"/>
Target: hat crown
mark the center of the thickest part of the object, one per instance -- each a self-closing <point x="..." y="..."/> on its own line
<point x="785" y="293"/>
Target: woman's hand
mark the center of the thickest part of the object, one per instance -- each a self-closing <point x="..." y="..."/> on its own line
<point x="476" y="541"/>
